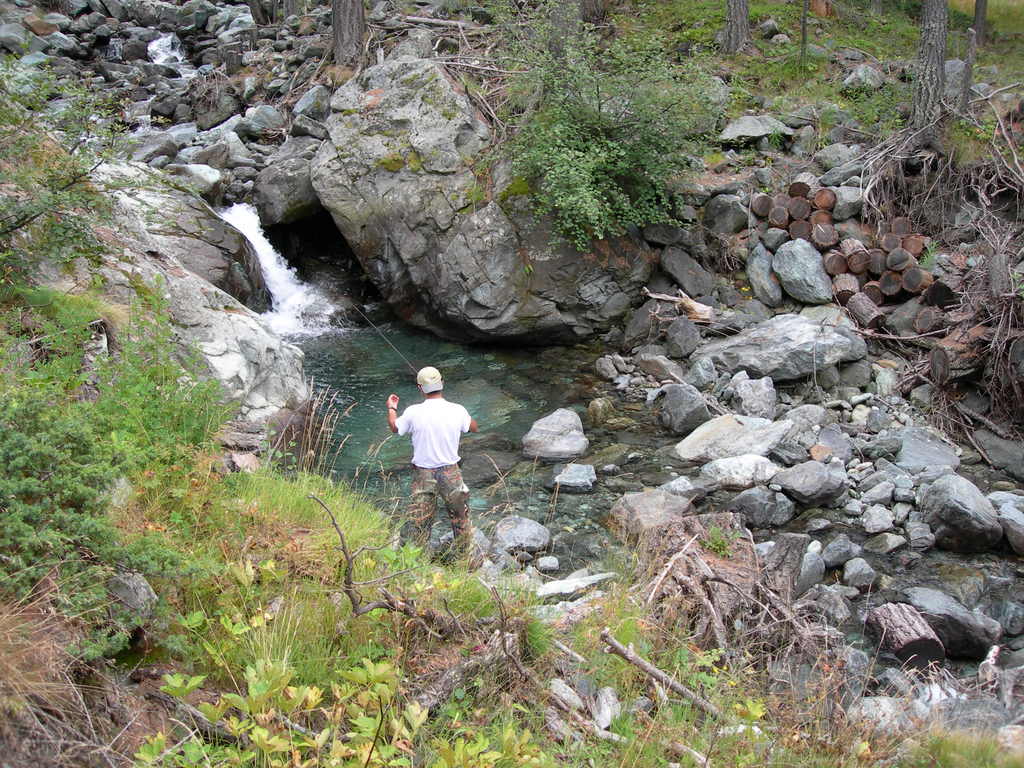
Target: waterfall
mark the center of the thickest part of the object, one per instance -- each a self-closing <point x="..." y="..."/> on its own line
<point x="298" y="309"/>
<point x="169" y="51"/>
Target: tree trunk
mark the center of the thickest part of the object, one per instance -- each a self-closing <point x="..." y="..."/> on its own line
<point x="931" y="73"/>
<point x="291" y="8"/>
<point x="348" y="22"/>
<point x="803" y="30"/>
<point x="259" y="13"/>
<point x="981" y="20"/>
<point x="972" y="51"/>
<point x="737" y="26"/>
<point x="876" y="7"/>
<point x="593" y="11"/>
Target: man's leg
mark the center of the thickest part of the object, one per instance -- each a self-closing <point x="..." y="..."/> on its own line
<point x="422" y="504"/>
<point x="456" y="498"/>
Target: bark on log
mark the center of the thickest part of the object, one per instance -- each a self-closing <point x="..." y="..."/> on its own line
<point x="864" y="311"/>
<point x="834" y="262"/>
<point x="800" y="229"/>
<point x="779" y="217"/>
<point x="799" y="189"/>
<point x="799" y="207"/>
<point x="761" y="205"/>
<point x="824" y="236"/>
<point x="948" y="363"/>
<point x="845" y="286"/>
<point x="858" y="262"/>
<point x="873" y="292"/>
<point x="917" y="280"/>
<point x="876" y="266"/>
<point x="824" y="199"/>
<point x="898" y="259"/>
<point x="903" y="631"/>
<point x="914" y="244"/>
<point x="940" y="294"/>
<point x="929" y="319"/>
<point x="890" y="283"/>
<point x="821" y="217"/>
<point x="890" y="241"/>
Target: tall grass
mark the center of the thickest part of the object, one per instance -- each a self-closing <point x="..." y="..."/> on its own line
<point x="1005" y="17"/>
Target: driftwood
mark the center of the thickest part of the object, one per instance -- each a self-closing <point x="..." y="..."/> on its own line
<point x="914" y="244"/>
<point x="940" y="294"/>
<point x="824" y="236"/>
<point x="890" y="283"/>
<point x="929" y="319"/>
<point x="697" y="312"/>
<point x="864" y="311"/>
<point x="858" y="262"/>
<point x="898" y="259"/>
<point x="917" y="280"/>
<point x="901" y="225"/>
<point x="821" y="217"/>
<point x="876" y="261"/>
<point x="902" y="630"/>
<point x="614" y="646"/>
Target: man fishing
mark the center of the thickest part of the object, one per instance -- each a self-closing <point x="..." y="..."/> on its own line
<point x="435" y="426"/>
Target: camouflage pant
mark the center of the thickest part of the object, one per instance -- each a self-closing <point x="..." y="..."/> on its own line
<point x="446" y="482"/>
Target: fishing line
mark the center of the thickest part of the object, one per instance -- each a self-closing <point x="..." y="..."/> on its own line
<point x="386" y="339"/>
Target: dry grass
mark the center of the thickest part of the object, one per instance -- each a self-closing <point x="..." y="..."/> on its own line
<point x="1005" y="17"/>
<point x="34" y="664"/>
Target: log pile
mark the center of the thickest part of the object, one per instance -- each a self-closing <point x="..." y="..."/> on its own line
<point x="885" y="275"/>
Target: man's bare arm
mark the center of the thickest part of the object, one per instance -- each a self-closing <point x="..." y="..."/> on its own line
<point x="473" y="426"/>
<point x="392" y="404"/>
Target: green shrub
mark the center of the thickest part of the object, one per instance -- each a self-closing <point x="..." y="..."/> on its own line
<point x="609" y="132"/>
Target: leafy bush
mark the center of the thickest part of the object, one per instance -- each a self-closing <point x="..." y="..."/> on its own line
<point x="52" y="138"/>
<point x="609" y="131"/>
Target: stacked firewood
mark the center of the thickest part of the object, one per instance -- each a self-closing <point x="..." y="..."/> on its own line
<point x="864" y="279"/>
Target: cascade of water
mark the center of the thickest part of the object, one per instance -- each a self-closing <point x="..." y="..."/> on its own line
<point x="169" y="51"/>
<point x="298" y="309"/>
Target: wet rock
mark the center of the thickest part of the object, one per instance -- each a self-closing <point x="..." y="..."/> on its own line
<point x="762" y="279"/>
<point x="283" y="192"/>
<point x="786" y="347"/>
<point x="606" y="368"/>
<point x="520" y="534"/>
<point x="729" y="435"/>
<point x="638" y="515"/>
<point x="575" y="478"/>
<point x="827" y="601"/>
<point x="206" y="181"/>
<point x="681" y="337"/>
<point x="749" y="128"/>
<point x="857" y="572"/>
<point x="876" y="519"/>
<point x="1010" y="615"/>
<point x="840" y="550"/>
<point x="600" y="410"/>
<point x="762" y="508"/>
<point x="962" y="519"/>
<point x="784" y="561"/>
<point x="642" y="326"/>
<point x="1011" y="518"/>
<point x="884" y="543"/>
<point x="964" y="633"/>
<point x="920" y="536"/>
<point x="702" y="373"/>
<point x="812" y="482"/>
<point x="660" y="367"/>
<point x="772" y="238"/>
<point x="738" y="472"/>
<point x="691" y="276"/>
<point x="754" y="397"/>
<point x="556" y="437"/>
<point x="682" y="408"/>
<point x="922" y="449"/>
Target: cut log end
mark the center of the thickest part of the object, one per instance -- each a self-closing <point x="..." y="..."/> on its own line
<point x="844" y="287"/>
<point x="902" y="630"/>
<point x="824" y="199"/>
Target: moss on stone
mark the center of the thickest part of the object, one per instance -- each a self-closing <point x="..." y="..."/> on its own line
<point x="414" y="161"/>
<point x="393" y="162"/>
<point x="518" y="187"/>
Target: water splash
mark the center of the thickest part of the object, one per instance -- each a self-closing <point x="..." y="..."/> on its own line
<point x="166" y="49"/>
<point x="298" y="309"/>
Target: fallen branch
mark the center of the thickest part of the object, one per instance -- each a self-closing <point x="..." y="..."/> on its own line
<point x="629" y="655"/>
<point x="699" y="313"/>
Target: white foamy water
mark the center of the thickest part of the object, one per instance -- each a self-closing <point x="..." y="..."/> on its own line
<point x="169" y="51"/>
<point x="297" y="308"/>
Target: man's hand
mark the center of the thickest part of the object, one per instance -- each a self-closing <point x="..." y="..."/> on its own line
<point x="392" y="401"/>
<point x="392" y="404"/>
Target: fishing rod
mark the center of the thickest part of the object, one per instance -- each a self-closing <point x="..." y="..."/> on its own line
<point x="386" y="339"/>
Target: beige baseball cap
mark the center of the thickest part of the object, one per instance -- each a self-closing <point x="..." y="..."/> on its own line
<point x="429" y="379"/>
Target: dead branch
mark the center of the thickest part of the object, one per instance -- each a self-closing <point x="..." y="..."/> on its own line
<point x="697" y="312"/>
<point x="631" y="656"/>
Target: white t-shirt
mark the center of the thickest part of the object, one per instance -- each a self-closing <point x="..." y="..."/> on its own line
<point x="435" y="425"/>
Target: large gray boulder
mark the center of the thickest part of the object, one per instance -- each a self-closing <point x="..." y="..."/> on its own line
<point x="812" y="482"/>
<point x="799" y="268"/>
<point x="520" y="534"/>
<point x="556" y="437"/>
<point x="447" y="252"/>
<point x="730" y="435"/>
<point x="684" y="269"/>
<point x="750" y="128"/>
<point x="725" y="215"/>
<point x="681" y="337"/>
<point x="762" y="508"/>
<point x="640" y="515"/>
<point x="964" y="633"/>
<point x="283" y="192"/>
<point x="256" y="369"/>
<point x="184" y="227"/>
<point x="786" y="347"/>
<point x="762" y="279"/>
<point x="962" y="519"/>
<point x="920" y="449"/>
<point x="682" y="408"/>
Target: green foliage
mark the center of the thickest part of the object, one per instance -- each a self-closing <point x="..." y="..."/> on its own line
<point x="609" y="130"/>
<point x="718" y="541"/>
<point x="52" y="139"/>
<point x="964" y="750"/>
